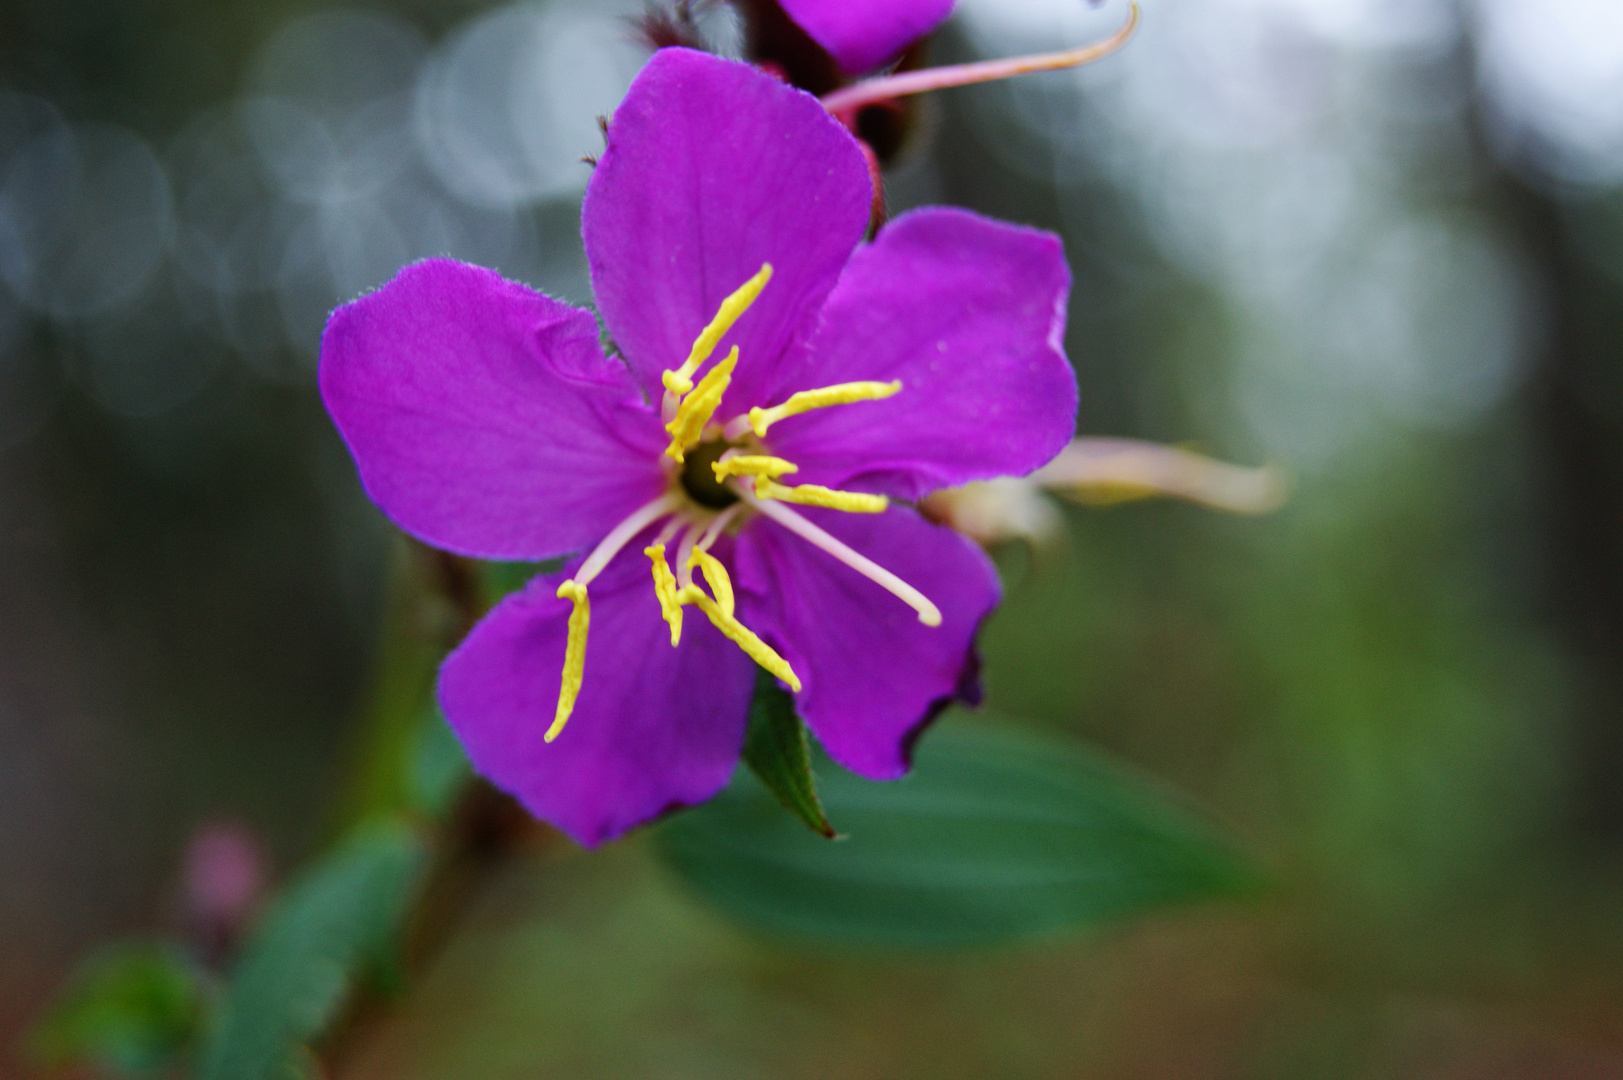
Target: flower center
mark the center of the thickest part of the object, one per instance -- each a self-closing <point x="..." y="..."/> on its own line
<point x="725" y="471"/>
<point x="699" y="477"/>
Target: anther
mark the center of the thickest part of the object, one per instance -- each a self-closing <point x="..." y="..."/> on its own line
<point x="680" y="381"/>
<point x="715" y="575"/>
<point x="699" y="406"/>
<point x="665" y="590"/>
<point x="753" y="465"/>
<point x="851" y="502"/>
<point x="575" y="589"/>
<point x="574" y="655"/>
<point x="741" y="635"/>
<point x="806" y="400"/>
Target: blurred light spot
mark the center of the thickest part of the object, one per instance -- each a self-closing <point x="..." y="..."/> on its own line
<point x="229" y="235"/>
<point x="87" y="219"/>
<point x="1425" y="323"/>
<point x="507" y="107"/>
<point x="338" y="63"/>
<point x="1242" y="130"/>
<point x="1553" y="73"/>
<point x="1256" y="230"/>
<point x="432" y="222"/>
<point x="333" y="159"/>
<point x="329" y="103"/>
<point x="1428" y="25"/>
<point x="1436" y="315"/>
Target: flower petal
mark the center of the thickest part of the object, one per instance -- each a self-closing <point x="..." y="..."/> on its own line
<point x="484" y="417"/>
<point x="970" y="315"/>
<point x="654" y="727"/>
<point x="712" y="169"/>
<point x="862" y="36"/>
<point x="872" y="675"/>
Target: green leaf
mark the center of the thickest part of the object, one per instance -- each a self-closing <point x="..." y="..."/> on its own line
<point x="132" y="1008"/>
<point x="334" y="924"/>
<point x="777" y="750"/>
<point x="994" y="836"/>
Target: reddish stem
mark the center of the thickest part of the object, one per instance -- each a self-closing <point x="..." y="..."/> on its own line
<point x="847" y="100"/>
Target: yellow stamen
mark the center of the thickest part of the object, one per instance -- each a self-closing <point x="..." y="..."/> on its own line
<point x="806" y="400"/>
<point x="699" y="406"/>
<point x="680" y="381"/>
<point x="665" y="589"/>
<point x="812" y="495"/>
<point x="574" y="655"/>
<point x="758" y="650"/>
<point x="752" y="465"/>
<point x="716" y="575"/>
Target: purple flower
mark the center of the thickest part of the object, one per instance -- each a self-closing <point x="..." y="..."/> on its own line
<point x="729" y="479"/>
<point x="861" y="36"/>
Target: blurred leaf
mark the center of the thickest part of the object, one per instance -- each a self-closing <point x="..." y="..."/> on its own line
<point x="502" y="578"/>
<point x="777" y="750"/>
<point x="419" y="626"/>
<point x="439" y="767"/>
<point x="131" y="1008"/>
<point x="994" y="836"/>
<point x="341" y="919"/>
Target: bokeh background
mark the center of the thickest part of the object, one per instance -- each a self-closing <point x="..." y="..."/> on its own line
<point x="1378" y="243"/>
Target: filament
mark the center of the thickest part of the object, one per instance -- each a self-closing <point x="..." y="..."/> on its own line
<point x="718" y="523"/>
<point x="684" y="553"/>
<point x="929" y="614"/>
<point x="621" y="535"/>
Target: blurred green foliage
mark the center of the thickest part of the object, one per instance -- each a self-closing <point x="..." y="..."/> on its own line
<point x="339" y="923"/>
<point x="134" y="1008"/>
<point x="994" y="836"/>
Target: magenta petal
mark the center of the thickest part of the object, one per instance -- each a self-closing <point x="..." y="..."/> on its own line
<point x="872" y="675"/>
<point x="654" y="727"/>
<point x="712" y="169"/>
<point x="484" y="417"/>
<point x="970" y="315"/>
<point x="863" y="35"/>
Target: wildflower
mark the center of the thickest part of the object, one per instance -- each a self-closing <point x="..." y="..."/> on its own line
<point x="728" y="478"/>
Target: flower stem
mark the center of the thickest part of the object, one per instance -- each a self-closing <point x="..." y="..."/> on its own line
<point x="872" y="91"/>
